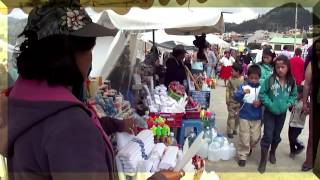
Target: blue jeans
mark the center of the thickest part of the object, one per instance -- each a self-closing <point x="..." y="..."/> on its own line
<point x="273" y="125"/>
<point x="210" y="71"/>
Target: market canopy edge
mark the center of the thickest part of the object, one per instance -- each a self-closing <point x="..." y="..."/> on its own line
<point x="166" y="3"/>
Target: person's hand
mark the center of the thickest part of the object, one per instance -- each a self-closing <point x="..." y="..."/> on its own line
<point x="167" y="175"/>
<point x="129" y="126"/>
<point x="246" y="91"/>
<point x="306" y="108"/>
<point x="256" y="103"/>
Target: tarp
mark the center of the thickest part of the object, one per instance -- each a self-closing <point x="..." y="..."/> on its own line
<point x="177" y="21"/>
<point x="187" y="40"/>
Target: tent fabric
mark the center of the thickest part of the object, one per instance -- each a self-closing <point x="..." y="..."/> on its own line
<point x="178" y="21"/>
<point x="187" y="40"/>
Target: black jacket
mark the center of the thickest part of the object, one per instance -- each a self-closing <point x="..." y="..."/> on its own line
<point x="175" y="71"/>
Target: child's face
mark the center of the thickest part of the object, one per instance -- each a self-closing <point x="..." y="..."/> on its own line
<point x="254" y="78"/>
<point x="281" y="69"/>
<point x="235" y="73"/>
<point x="266" y="59"/>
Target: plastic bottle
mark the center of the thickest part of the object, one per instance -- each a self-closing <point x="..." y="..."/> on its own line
<point x="207" y="135"/>
<point x="214" y="151"/>
<point x="214" y="133"/>
<point x="232" y="150"/>
<point x="191" y="138"/>
<point x="203" y="152"/>
<point x="172" y="140"/>
<point x="225" y="152"/>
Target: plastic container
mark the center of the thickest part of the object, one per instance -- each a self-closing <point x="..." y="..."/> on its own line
<point x="173" y="120"/>
<point x="232" y="150"/>
<point x="172" y="140"/>
<point x="203" y="152"/>
<point x="207" y="135"/>
<point x="214" y="151"/>
<point x="214" y="133"/>
<point x="225" y="151"/>
<point x="191" y="138"/>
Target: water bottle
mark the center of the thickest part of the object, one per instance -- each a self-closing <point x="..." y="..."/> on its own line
<point x="207" y="135"/>
<point x="232" y="150"/>
<point x="172" y="140"/>
<point x="191" y="138"/>
<point x="225" y="152"/>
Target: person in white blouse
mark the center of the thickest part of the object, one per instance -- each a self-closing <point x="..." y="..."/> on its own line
<point x="227" y="62"/>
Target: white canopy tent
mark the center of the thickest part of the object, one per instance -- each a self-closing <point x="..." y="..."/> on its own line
<point x="178" y="21"/>
<point x="161" y="36"/>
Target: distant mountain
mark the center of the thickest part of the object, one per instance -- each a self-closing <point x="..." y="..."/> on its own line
<point x="278" y="19"/>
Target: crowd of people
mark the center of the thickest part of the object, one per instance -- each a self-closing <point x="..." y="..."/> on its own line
<point x="55" y="133"/>
<point x="273" y="86"/>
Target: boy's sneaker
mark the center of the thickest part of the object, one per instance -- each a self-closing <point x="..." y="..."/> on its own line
<point x="230" y="136"/>
<point x="235" y="132"/>
<point x="242" y="163"/>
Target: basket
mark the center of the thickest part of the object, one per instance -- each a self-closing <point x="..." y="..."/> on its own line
<point x="192" y="115"/>
<point x="173" y="120"/>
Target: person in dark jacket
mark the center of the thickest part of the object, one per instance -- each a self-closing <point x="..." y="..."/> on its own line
<point x="175" y="67"/>
<point x="50" y="133"/>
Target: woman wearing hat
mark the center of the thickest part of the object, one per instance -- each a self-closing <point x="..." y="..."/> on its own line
<point x="51" y="134"/>
<point x="226" y="69"/>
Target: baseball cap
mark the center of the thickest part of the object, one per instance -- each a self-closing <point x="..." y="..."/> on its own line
<point x="58" y="19"/>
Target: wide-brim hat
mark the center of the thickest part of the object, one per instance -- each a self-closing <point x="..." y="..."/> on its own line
<point x="58" y="19"/>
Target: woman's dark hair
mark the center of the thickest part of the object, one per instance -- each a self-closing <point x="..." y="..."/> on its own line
<point x="52" y="59"/>
<point x="268" y="51"/>
<point x="289" y="78"/>
<point x="254" y="69"/>
<point x="298" y="52"/>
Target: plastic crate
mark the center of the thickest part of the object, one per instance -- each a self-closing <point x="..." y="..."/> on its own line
<point x="192" y="115"/>
<point x="173" y="120"/>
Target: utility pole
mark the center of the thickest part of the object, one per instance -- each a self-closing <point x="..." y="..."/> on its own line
<point x="295" y="26"/>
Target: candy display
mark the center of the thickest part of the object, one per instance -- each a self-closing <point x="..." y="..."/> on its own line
<point x="177" y="88"/>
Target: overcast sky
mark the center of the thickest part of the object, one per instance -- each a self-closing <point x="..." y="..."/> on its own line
<point x="243" y="14"/>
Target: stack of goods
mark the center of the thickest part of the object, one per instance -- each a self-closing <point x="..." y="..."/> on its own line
<point x="138" y="149"/>
<point x="161" y="102"/>
<point x="142" y="155"/>
<point x="111" y="104"/>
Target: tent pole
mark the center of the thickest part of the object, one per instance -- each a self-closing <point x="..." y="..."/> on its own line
<point x="153" y="38"/>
